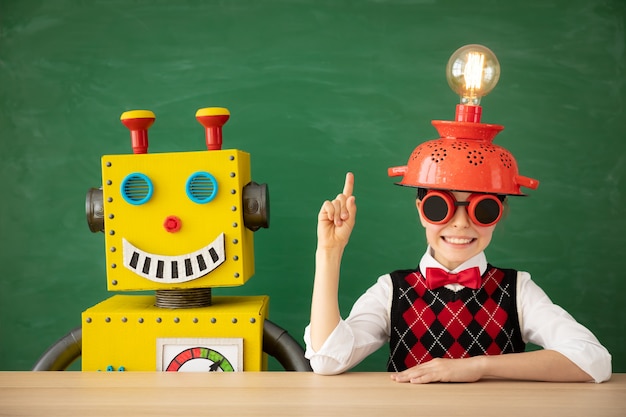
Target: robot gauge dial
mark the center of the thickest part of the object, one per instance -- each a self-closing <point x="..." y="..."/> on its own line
<point x="215" y="361"/>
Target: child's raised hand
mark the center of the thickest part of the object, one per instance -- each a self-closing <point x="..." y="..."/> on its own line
<point x="336" y="218"/>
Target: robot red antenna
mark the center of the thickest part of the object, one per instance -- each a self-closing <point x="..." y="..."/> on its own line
<point x="138" y="122"/>
<point x="213" y="118"/>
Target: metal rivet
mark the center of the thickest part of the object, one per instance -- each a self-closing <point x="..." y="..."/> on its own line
<point x="232" y="158"/>
<point x="176" y="320"/>
<point x="213" y="320"/>
<point x="108" y="319"/>
<point x="232" y="175"/>
<point x="233" y="191"/>
<point x="114" y="282"/>
<point x="195" y="320"/>
<point x="235" y="258"/>
<point x="235" y="224"/>
<point x="158" y="320"/>
<point x="233" y="208"/>
<point x="110" y="199"/>
<point x="140" y="320"/>
<point x="88" y="320"/>
<point x="236" y="274"/>
<point x="124" y="319"/>
<point x="234" y="320"/>
<point x="108" y="164"/>
<point x="112" y="232"/>
<point x="252" y="320"/>
<point x="113" y="249"/>
<point x="109" y="182"/>
<point x="235" y="241"/>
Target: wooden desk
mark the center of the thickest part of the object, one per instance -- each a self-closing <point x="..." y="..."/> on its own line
<point x="295" y="394"/>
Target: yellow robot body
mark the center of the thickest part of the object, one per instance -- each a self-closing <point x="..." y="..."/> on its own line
<point x="127" y="332"/>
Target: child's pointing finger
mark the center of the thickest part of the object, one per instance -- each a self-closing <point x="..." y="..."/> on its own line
<point x="348" y="187"/>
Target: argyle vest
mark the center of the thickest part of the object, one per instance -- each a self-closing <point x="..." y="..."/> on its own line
<point x="442" y="323"/>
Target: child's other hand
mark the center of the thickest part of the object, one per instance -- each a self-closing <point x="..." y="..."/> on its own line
<point x="442" y="370"/>
<point x="336" y="218"/>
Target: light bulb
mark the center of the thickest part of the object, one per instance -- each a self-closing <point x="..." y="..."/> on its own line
<point x="472" y="72"/>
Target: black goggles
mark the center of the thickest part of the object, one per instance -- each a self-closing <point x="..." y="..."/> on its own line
<point x="438" y="207"/>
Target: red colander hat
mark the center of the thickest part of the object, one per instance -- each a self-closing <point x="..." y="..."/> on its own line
<point x="463" y="159"/>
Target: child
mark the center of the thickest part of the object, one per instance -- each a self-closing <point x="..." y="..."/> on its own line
<point x="472" y="327"/>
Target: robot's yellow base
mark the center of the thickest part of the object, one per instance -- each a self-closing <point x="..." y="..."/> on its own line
<point x="128" y="332"/>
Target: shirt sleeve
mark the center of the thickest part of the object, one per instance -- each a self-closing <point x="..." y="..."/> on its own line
<point x="548" y="325"/>
<point x="364" y="331"/>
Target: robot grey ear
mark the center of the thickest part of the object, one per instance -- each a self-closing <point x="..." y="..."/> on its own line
<point x="256" y="206"/>
<point x="94" y="207"/>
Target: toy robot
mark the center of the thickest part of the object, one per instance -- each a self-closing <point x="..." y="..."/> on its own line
<point x="178" y="224"/>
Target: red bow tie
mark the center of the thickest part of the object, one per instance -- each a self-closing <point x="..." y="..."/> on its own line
<point x="436" y="277"/>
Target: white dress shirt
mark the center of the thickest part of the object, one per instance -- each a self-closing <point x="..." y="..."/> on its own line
<point x="542" y="323"/>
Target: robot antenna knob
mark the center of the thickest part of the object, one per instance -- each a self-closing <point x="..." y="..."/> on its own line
<point x="213" y="118"/>
<point x="138" y="122"/>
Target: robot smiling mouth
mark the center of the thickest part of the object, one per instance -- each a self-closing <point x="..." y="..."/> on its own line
<point x="174" y="269"/>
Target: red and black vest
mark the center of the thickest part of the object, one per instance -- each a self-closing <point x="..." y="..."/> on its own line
<point x="442" y="323"/>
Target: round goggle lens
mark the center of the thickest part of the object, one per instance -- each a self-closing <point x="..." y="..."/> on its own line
<point x="435" y="208"/>
<point x="487" y="211"/>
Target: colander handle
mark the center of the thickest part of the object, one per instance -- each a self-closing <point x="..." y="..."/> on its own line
<point x="527" y="182"/>
<point x="397" y="171"/>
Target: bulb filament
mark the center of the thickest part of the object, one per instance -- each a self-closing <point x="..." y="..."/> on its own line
<point x="473" y="75"/>
<point x="474" y="70"/>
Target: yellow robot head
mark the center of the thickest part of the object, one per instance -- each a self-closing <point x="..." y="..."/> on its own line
<point x="177" y="220"/>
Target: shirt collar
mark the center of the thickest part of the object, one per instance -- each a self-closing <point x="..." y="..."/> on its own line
<point x="428" y="261"/>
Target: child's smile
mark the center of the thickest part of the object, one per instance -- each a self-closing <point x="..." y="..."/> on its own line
<point x="457" y="240"/>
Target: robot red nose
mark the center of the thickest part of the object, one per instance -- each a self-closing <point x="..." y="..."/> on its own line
<point x="172" y="224"/>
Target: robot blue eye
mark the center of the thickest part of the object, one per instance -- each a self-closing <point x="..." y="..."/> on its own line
<point x="201" y="187"/>
<point x="136" y="189"/>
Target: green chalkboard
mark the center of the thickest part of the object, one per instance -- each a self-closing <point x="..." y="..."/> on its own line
<point x="315" y="88"/>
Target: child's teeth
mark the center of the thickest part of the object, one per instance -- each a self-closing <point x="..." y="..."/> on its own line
<point x="458" y="241"/>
